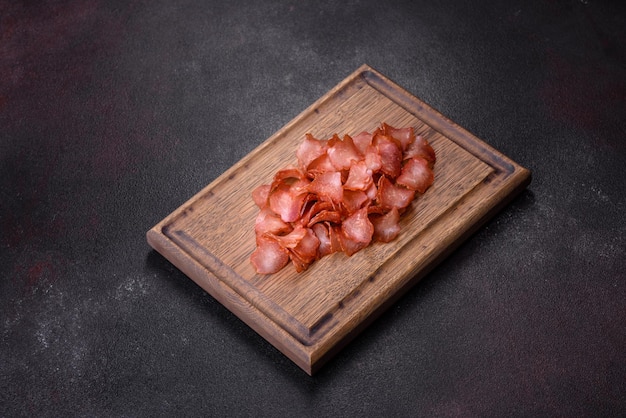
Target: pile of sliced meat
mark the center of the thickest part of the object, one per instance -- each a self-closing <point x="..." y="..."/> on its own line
<point x="342" y="195"/>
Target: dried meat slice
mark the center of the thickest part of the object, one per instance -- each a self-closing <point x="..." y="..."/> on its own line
<point x="292" y="239"/>
<point x="416" y="175"/>
<point x="348" y="245"/>
<point x="306" y="249"/>
<point x="260" y="195"/>
<point x="288" y="175"/>
<point x="287" y="201"/>
<point x="362" y="141"/>
<point x="390" y="155"/>
<point x="314" y="207"/>
<point x="342" y="152"/>
<point x="359" y="176"/>
<point x="325" y="216"/>
<point x="269" y="256"/>
<point x="321" y="164"/>
<point x="373" y="160"/>
<point x="405" y="136"/>
<point x="310" y="149"/>
<point x="354" y="200"/>
<point x="268" y="222"/>
<point x="325" y="244"/>
<point x="327" y="186"/>
<point x="386" y="226"/>
<point x="392" y="196"/>
<point x="421" y="148"/>
<point x="357" y="227"/>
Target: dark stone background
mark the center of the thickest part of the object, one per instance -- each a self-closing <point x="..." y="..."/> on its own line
<point x="113" y="113"/>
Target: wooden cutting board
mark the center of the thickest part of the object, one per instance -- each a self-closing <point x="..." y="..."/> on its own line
<point x="309" y="316"/>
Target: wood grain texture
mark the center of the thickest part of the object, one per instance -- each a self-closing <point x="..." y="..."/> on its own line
<point x="309" y="316"/>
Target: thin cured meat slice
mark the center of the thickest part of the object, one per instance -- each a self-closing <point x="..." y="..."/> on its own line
<point x="260" y="195"/>
<point x="305" y="251"/>
<point x="362" y="141"/>
<point x="268" y="222"/>
<point x="390" y="155"/>
<point x="310" y="149"/>
<point x="321" y="164"/>
<point x="391" y="196"/>
<point x="269" y="256"/>
<point x="314" y="208"/>
<point x="386" y="226"/>
<point x="287" y="201"/>
<point x="285" y="196"/>
<point x="372" y="192"/>
<point x="292" y="239"/>
<point x="342" y="152"/>
<point x="405" y="136"/>
<point x="416" y="175"/>
<point x="327" y="186"/>
<point x="325" y="245"/>
<point x="325" y="216"/>
<point x="359" y="176"/>
<point x="421" y="148"/>
<point x="372" y="159"/>
<point x="348" y="245"/>
<point x="288" y="176"/>
<point x="357" y="227"/>
<point x="354" y="200"/>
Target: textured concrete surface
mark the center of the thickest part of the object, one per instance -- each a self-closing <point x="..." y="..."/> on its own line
<point x="112" y="114"/>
